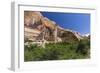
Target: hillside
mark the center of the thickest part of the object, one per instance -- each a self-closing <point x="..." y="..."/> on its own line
<point x="38" y="27"/>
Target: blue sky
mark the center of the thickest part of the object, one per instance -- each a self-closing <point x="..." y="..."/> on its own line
<point x="75" y="21"/>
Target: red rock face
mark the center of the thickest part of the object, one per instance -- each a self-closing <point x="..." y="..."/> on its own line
<point x="36" y="24"/>
<point x="31" y="17"/>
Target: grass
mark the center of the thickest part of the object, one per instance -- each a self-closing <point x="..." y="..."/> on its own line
<point x="58" y="51"/>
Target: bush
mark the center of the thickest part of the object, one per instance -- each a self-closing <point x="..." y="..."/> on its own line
<point x="83" y="47"/>
<point x="28" y="55"/>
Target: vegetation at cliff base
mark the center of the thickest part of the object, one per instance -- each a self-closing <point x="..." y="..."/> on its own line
<point x="58" y="51"/>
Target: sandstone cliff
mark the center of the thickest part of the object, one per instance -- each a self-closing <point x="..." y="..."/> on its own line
<point x="38" y="27"/>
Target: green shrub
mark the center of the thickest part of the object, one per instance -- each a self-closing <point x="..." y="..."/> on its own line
<point x="83" y="47"/>
<point x="28" y="55"/>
